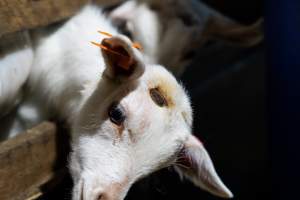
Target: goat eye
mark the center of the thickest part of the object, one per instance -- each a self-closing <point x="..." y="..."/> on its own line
<point x="157" y="97"/>
<point x="116" y="114"/>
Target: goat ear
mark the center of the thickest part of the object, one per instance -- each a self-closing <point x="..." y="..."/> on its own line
<point x="123" y="62"/>
<point x="196" y="165"/>
<point x="221" y="27"/>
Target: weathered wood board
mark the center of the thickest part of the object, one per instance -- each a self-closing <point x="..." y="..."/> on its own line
<point x="18" y="15"/>
<point x="32" y="161"/>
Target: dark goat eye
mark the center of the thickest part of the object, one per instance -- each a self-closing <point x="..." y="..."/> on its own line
<point x="157" y="97"/>
<point x="116" y="114"/>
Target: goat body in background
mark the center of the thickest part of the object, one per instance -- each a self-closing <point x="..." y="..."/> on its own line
<point x="15" y="65"/>
<point x="172" y="31"/>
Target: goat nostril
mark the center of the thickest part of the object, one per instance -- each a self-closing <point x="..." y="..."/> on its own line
<point x="100" y="197"/>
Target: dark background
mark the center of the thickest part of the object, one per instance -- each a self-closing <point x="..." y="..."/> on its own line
<point x="283" y="53"/>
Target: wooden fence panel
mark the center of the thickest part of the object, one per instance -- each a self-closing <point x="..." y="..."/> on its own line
<point x="18" y="15"/>
<point x="32" y="160"/>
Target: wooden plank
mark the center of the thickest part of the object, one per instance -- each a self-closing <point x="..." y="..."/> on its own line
<point x="18" y="15"/>
<point x="32" y="161"/>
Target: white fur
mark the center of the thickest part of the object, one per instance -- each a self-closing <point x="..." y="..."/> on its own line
<point x="14" y="70"/>
<point x="71" y="79"/>
<point x="74" y="61"/>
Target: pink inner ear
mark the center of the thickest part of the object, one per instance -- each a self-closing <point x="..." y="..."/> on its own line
<point x="125" y="63"/>
<point x="185" y="157"/>
<point x="117" y="54"/>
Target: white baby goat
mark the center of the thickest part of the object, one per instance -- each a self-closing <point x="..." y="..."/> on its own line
<point x="127" y="118"/>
